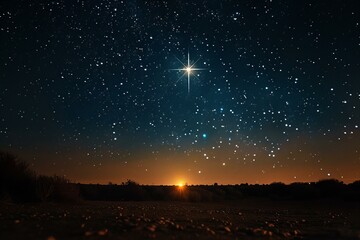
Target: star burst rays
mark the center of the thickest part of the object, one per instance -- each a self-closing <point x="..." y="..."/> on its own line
<point x="188" y="69"/>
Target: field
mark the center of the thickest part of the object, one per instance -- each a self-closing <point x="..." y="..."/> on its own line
<point x="243" y="219"/>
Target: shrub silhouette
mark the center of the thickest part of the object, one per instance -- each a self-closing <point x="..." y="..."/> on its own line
<point x="353" y="192"/>
<point x="17" y="181"/>
<point x="65" y="191"/>
<point x="277" y="190"/>
<point x="302" y="191"/>
<point x="330" y="188"/>
<point x="56" y="188"/>
<point x="44" y="187"/>
<point x="133" y="191"/>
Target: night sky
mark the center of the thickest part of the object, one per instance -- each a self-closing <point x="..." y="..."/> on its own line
<point x="89" y="90"/>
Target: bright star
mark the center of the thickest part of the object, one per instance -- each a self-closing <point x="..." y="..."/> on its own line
<point x="188" y="70"/>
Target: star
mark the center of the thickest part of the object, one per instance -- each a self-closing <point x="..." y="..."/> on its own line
<point x="188" y="69"/>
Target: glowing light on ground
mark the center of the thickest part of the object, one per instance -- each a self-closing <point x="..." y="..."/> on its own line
<point x="181" y="184"/>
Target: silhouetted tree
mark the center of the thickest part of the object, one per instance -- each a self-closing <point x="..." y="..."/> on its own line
<point x="44" y="187"/>
<point x="17" y="181"/>
<point x="130" y="182"/>
<point x="21" y="184"/>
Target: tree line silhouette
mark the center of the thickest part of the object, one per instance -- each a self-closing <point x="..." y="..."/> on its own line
<point x="18" y="183"/>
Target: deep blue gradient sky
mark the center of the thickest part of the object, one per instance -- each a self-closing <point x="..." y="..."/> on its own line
<point x="87" y="90"/>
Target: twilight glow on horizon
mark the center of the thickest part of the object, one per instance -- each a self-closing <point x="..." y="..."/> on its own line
<point x="182" y="92"/>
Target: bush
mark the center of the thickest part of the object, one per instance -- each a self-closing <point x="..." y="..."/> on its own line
<point x="330" y="188"/>
<point x="44" y="187"/>
<point x="64" y="191"/>
<point x="17" y="181"/>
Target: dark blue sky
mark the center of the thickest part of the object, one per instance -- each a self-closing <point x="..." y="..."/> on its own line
<point x="87" y="90"/>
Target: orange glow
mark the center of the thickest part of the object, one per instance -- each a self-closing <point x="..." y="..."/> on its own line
<point x="172" y="168"/>
<point x="181" y="184"/>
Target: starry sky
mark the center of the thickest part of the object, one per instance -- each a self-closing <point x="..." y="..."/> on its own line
<point x="89" y="89"/>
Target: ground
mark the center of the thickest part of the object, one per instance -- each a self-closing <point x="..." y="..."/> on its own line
<point x="244" y="219"/>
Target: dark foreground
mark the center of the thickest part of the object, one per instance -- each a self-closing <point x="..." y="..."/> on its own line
<point x="245" y="219"/>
